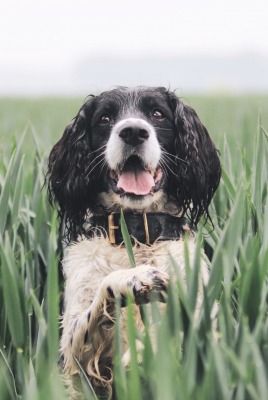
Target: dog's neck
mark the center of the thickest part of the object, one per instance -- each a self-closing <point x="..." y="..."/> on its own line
<point x="146" y="228"/>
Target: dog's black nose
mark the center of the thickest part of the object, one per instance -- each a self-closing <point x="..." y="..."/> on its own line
<point x="134" y="135"/>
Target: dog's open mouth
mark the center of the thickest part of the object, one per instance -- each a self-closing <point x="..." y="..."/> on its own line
<point x="135" y="179"/>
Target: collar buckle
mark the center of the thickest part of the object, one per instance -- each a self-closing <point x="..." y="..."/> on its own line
<point x="146" y="229"/>
<point x="111" y="228"/>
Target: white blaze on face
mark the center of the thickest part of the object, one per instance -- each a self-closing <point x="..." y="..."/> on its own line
<point x="134" y="178"/>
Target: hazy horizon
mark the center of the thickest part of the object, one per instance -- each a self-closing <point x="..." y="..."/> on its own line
<point x="59" y="47"/>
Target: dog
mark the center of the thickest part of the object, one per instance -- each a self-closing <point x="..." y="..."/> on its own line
<point x="143" y="151"/>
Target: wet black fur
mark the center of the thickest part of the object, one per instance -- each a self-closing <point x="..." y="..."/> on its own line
<point x="74" y="178"/>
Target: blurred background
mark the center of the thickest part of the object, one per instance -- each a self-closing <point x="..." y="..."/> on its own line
<point x="58" y="47"/>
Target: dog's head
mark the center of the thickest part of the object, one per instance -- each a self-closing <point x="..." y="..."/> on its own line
<point x="138" y="149"/>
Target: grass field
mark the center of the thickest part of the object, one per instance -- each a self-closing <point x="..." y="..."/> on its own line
<point x="226" y="361"/>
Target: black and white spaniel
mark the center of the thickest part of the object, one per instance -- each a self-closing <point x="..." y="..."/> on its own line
<point x="143" y="151"/>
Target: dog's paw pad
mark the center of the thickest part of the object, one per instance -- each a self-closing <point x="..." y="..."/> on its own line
<point x="149" y="286"/>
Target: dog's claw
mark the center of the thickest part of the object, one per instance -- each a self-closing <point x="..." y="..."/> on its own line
<point x="150" y="287"/>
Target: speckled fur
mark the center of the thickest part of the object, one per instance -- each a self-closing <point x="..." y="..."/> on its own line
<point x="90" y="268"/>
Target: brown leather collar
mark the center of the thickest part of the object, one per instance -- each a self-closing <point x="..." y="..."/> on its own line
<point x="145" y="228"/>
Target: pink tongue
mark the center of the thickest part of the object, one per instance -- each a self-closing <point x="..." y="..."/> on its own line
<point x="138" y="182"/>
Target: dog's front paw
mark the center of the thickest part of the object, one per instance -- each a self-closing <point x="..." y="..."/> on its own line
<point x="143" y="284"/>
<point x="149" y="284"/>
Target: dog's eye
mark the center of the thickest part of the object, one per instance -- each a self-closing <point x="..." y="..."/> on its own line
<point x="104" y="119"/>
<point x="157" y="114"/>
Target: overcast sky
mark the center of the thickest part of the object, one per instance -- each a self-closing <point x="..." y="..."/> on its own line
<point x="51" y="37"/>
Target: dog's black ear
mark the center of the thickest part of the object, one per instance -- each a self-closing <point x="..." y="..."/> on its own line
<point x="69" y="162"/>
<point x="198" y="165"/>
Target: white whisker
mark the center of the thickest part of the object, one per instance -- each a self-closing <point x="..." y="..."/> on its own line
<point x="103" y="165"/>
<point x="95" y="166"/>
<point x="172" y="155"/>
<point x="164" y="163"/>
<point x="93" y="161"/>
<point x="98" y="149"/>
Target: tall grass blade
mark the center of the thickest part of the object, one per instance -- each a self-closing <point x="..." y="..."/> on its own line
<point x="91" y="395"/>
<point x="53" y="293"/>
<point x="259" y="177"/>
<point x="7" y="384"/>
<point x="15" y="310"/>
<point x="4" y="197"/>
<point x="226" y="249"/>
<point x="127" y="240"/>
<point x="134" y="388"/>
<point x="120" y="380"/>
<point x="17" y="198"/>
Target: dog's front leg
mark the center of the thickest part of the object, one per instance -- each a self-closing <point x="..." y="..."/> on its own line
<point x="91" y="333"/>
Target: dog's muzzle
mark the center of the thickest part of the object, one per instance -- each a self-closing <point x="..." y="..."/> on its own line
<point x="133" y="154"/>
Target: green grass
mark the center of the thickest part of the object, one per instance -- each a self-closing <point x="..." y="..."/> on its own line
<point x="226" y="358"/>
